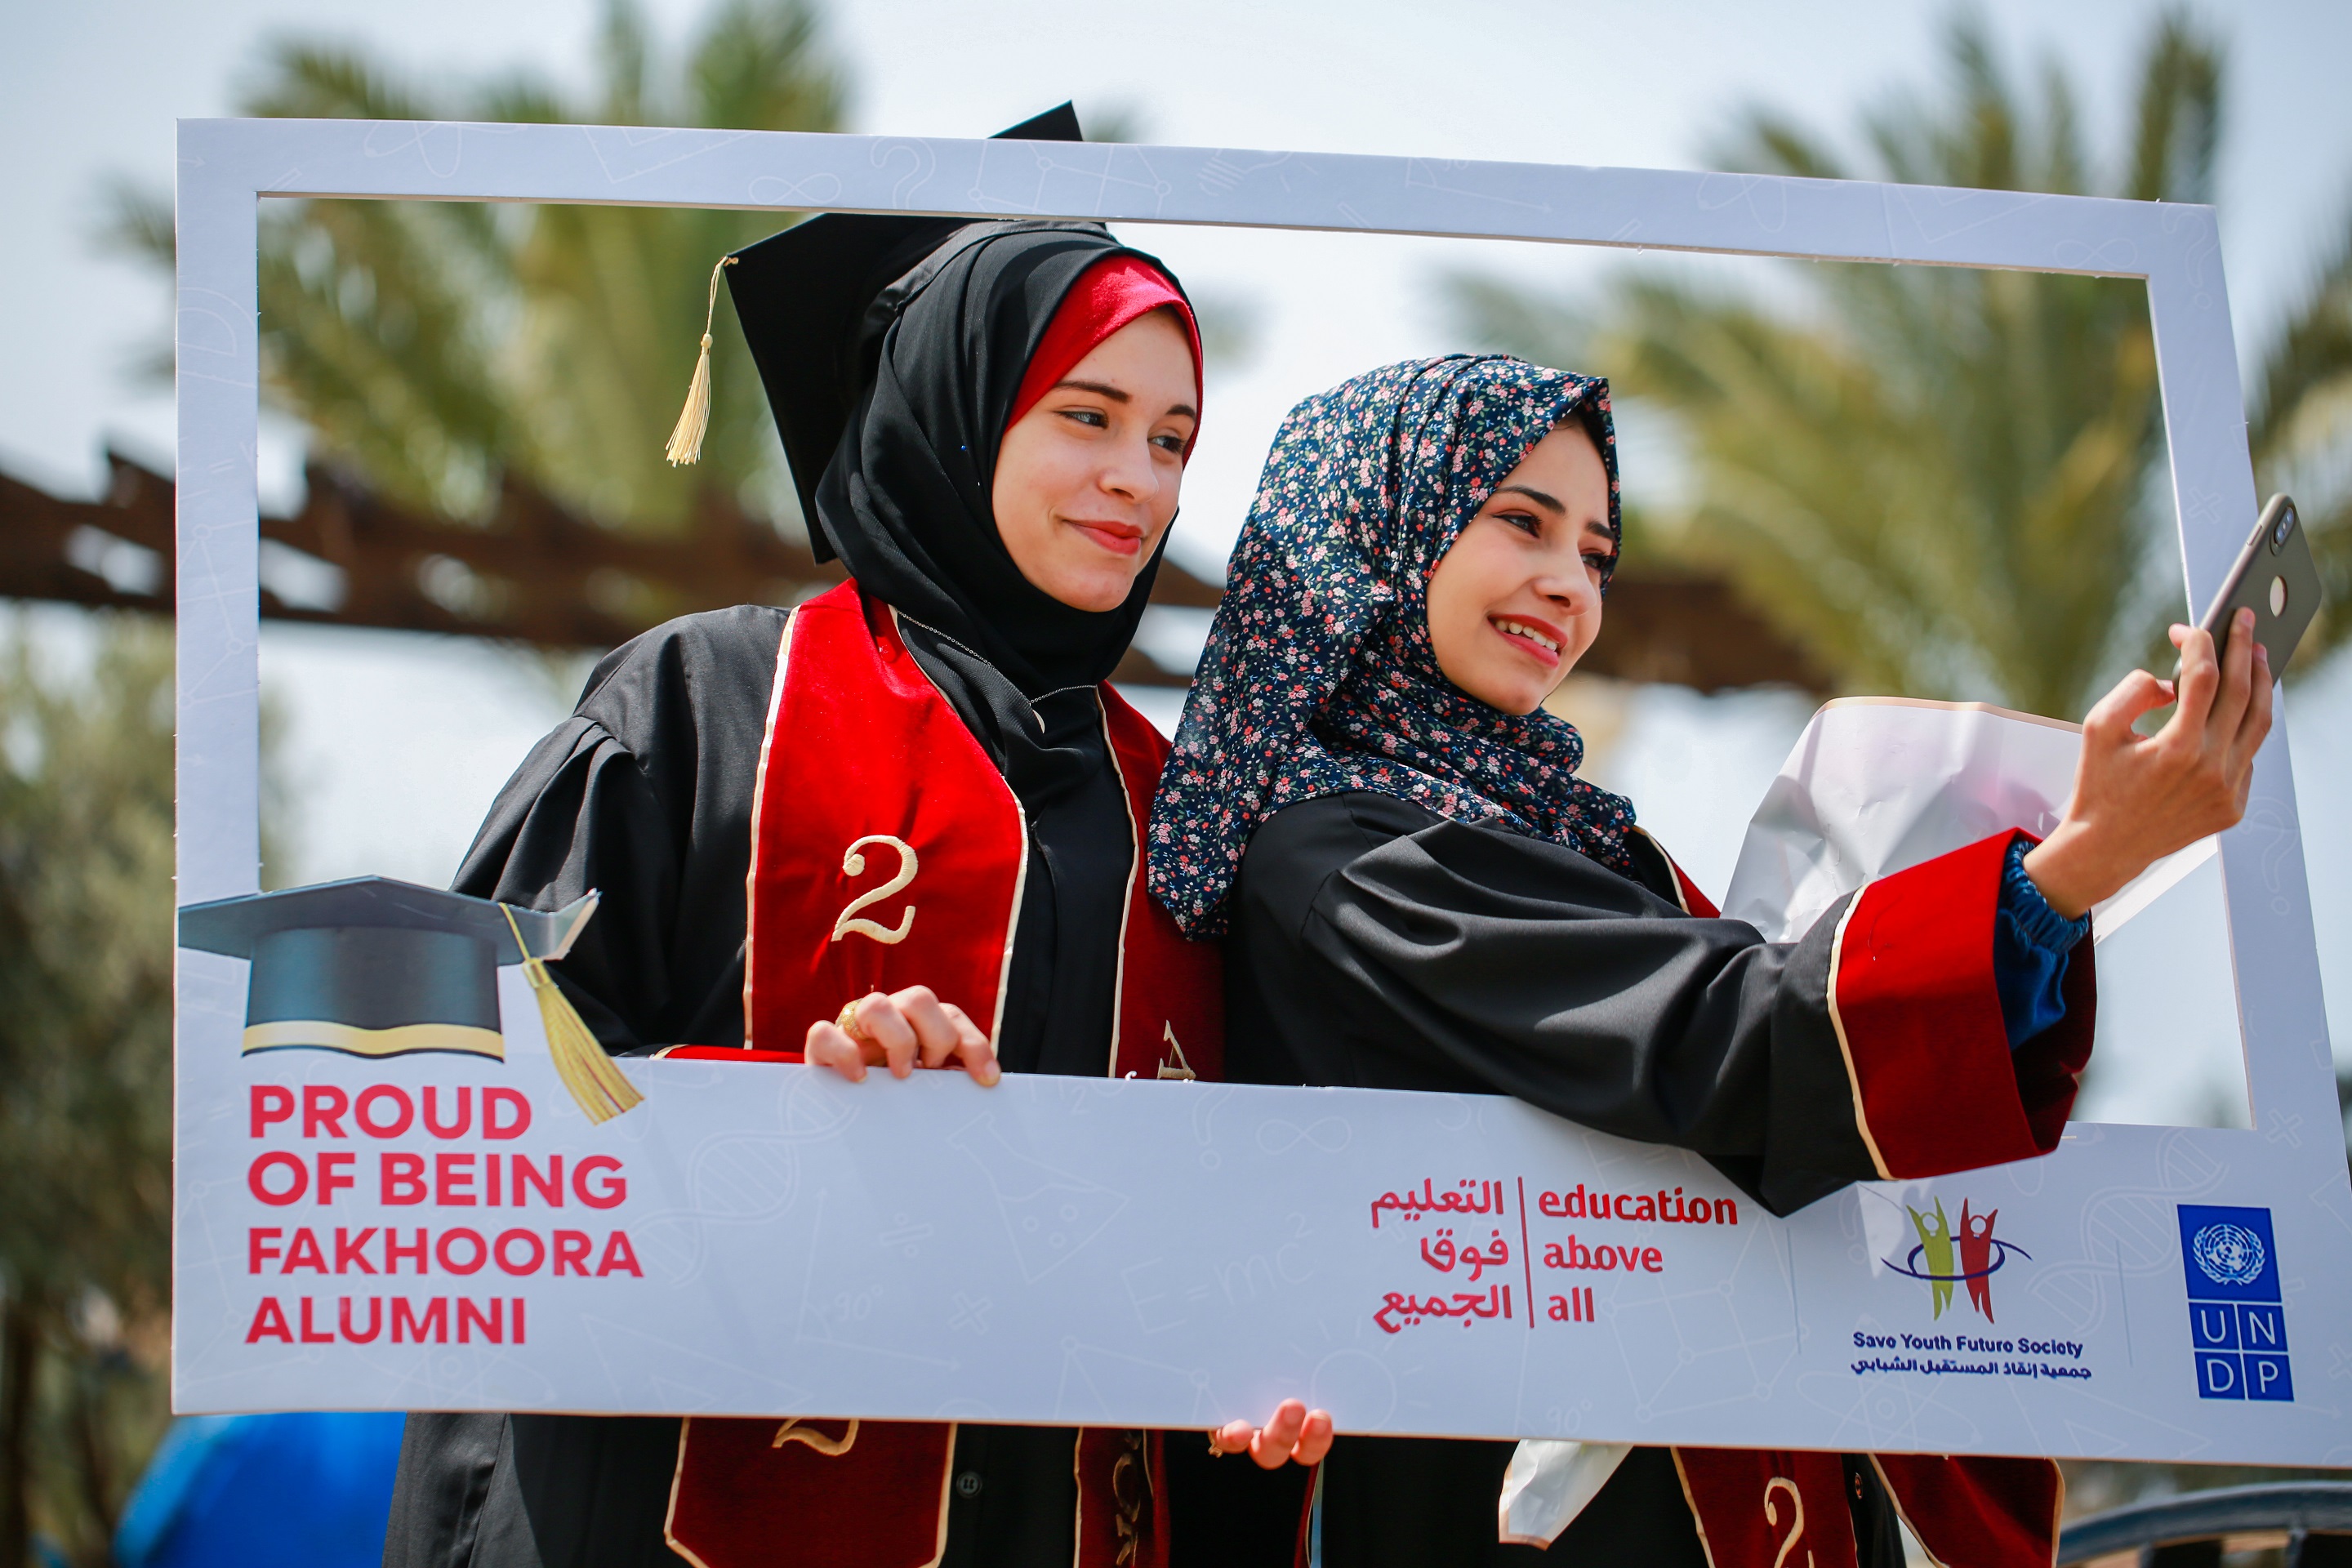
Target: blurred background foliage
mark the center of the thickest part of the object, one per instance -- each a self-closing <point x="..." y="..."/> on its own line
<point x="86" y="848"/>
<point x="85" y="1083"/>
<point x="1946" y="482"/>
<point x="431" y="346"/>
<point x="2299" y="408"/>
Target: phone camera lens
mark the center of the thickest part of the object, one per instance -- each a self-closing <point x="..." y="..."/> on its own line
<point x="2280" y="529"/>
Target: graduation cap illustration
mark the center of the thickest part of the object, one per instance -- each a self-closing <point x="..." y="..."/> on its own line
<point x="812" y="305"/>
<point x="377" y="968"/>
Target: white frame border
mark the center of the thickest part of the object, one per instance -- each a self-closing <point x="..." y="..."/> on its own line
<point x="228" y="166"/>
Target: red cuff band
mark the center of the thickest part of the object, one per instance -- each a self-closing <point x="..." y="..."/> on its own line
<point x="1936" y="1087"/>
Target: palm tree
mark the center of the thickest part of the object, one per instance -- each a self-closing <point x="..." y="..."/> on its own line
<point x="2301" y="430"/>
<point x="1935" y="480"/>
<point x="432" y="346"/>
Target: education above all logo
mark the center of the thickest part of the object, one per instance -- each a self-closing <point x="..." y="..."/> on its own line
<point x="2237" y="1317"/>
<point x="1943" y="1259"/>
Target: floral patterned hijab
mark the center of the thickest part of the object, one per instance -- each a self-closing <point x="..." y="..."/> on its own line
<point x="1320" y="677"/>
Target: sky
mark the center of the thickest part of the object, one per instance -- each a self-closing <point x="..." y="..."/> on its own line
<point x="89" y="91"/>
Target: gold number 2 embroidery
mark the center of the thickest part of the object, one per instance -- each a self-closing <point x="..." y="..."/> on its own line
<point x="1796" y="1525"/>
<point x="791" y="1431"/>
<point x="1180" y="1068"/>
<point x="854" y="864"/>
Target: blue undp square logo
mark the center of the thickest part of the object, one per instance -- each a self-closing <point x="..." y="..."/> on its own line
<point x="2228" y="1254"/>
<point x="2213" y="1325"/>
<point x="2237" y="1323"/>
<point x="2225" y="1375"/>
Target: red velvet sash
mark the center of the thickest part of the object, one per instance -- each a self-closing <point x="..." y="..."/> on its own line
<point x="1761" y="1508"/>
<point x="1972" y="1509"/>
<point x="1768" y="1507"/>
<point x="888" y="851"/>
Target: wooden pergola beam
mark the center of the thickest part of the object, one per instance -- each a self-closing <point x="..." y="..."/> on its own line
<point x="537" y="573"/>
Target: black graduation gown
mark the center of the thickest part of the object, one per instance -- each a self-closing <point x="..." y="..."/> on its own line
<point x="644" y="795"/>
<point x="1378" y="944"/>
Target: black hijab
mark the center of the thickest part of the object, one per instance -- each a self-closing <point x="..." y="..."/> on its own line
<point x="906" y="502"/>
<point x="906" y="499"/>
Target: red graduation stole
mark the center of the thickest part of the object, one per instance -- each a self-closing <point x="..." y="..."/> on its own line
<point x="1765" y="1508"/>
<point x="888" y="851"/>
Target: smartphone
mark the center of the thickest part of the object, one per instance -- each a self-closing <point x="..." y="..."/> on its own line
<point x="2277" y="578"/>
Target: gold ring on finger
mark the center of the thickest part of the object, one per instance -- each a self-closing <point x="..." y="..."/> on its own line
<point x="847" y="1023"/>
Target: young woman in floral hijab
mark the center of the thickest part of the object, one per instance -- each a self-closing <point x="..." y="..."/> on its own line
<point x="1419" y="893"/>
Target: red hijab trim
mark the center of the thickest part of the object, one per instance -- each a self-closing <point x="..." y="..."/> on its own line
<point x="1108" y="295"/>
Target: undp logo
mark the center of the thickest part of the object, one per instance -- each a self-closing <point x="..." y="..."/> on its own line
<point x="2237" y="1318"/>
<point x="2230" y="1254"/>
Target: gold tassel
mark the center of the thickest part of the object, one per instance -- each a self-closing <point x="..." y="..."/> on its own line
<point x="693" y="419"/>
<point x="580" y="1061"/>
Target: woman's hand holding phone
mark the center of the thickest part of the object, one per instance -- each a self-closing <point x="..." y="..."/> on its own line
<point x="2138" y="798"/>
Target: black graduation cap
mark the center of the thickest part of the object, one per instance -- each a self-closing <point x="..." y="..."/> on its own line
<point x="375" y="967"/>
<point x="802" y="297"/>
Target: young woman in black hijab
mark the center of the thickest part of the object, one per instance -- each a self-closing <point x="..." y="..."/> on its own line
<point x="1000" y="415"/>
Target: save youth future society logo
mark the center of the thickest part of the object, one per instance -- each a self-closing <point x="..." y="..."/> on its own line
<point x="2237" y="1318"/>
<point x="1943" y="1260"/>
<point x="1971" y="1256"/>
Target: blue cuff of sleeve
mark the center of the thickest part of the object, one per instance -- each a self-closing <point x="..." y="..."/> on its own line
<point x="2029" y="944"/>
<point x="2036" y="922"/>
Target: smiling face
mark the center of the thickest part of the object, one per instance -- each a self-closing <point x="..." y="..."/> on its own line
<point x="1086" y="480"/>
<point x="1517" y="600"/>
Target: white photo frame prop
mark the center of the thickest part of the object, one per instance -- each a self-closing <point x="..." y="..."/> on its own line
<point x="1108" y="1253"/>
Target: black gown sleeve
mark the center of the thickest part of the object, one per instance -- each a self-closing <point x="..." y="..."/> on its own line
<point x="644" y="795"/>
<point x="1380" y="946"/>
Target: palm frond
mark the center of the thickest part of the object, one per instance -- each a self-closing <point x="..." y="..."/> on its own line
<point x="624" y="53"/>
<point x="760" y="67"/>
<point x="1768" y="143"/>
<point x="1495" y="315"/>
<point x="138" y="222"/>
<point x="2300" y="431"/>
<point x="2179" y="115"/>
<point x="378" y="335"/>
<point x="304" y="80"/>
<point x="432" y="346"/>
<point x="1933" y="479"/>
